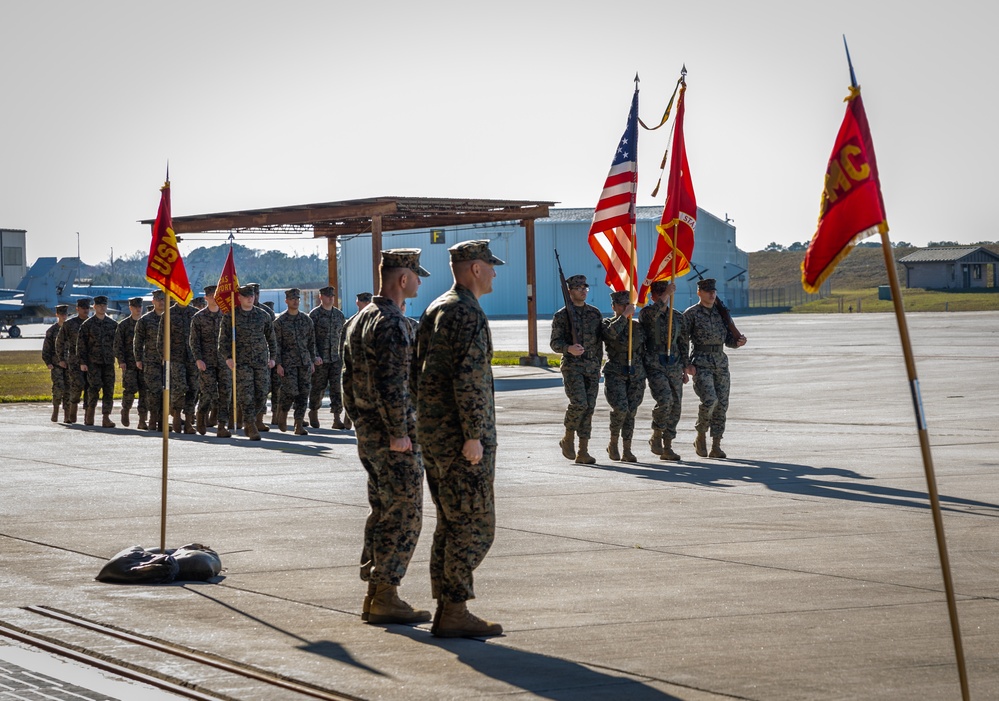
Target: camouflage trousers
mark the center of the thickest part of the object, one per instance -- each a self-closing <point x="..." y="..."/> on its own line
<point x="274" y="390"/>
<point x="60" y="386"/>
<point x="712" y="386"/>
<point x="178" y="386"/>
<point x="624" y="393"/>
<point x="395" y="493"/>
<point x="581" y="389"/>
<point x="327" y="377"/>
<point x="100" y="380"/>
<point x="215" y="393"/>
<point x="77" y="381"/>
<point x="295" y="387"/>
<point x="192" y="388"/>
<point x="253" y="382"/>
<point x="667" y="390"/>
<point x="152" y="387"/>
<point x="131" y="385"/>
<point x="466" y="521"/>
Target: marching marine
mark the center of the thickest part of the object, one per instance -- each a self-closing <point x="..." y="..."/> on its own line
<point x="665" y="364"/>
<point x="296" y="358"/>
<point x="214" y="378"/>
<point x="255" y="350"/>
<point x="624" y="374"/>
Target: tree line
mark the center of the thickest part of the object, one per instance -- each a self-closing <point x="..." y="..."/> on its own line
<point x="803" y="245"/>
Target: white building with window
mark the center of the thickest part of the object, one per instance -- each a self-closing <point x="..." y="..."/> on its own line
<point x="13" y="258"/>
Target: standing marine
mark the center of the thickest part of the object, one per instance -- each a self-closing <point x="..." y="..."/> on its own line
<point x="255" y="350"/>
<point x="576" y="334"/>
<point x="95" y="348"/>
<point x="376" y="392"/>
<point x="665" y="363"/>
<point x="149" y="359"/>
<point x="57" y="369"/>
<point x="456" y="427"/>
<point x="328" y="322"/>
<point x="709" y="334"/>
<point x="66" y="351"/>
<point x="214" y="378"/>
<point x="295" y="361"/>
<point x="131" y="378"/>
<point x="624" y="374"/>
<point x="181" y="395"/>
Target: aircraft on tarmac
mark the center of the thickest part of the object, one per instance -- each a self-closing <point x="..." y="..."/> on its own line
<point x="49" y="282"/>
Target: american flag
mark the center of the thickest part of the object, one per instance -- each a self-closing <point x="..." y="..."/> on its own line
<point x="613" y="230"/>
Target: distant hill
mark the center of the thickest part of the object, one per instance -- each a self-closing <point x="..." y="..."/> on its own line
<point x="862" y="269"/>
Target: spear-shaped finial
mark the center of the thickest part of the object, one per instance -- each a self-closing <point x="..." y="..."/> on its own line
<point x="168" y="171"/>
<point x="853" y="76"/>
<point x="637" y="81"/>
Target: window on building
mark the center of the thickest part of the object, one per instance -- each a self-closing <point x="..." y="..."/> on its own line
<point x="976" y="272"/>
<point x="13" y="255"/>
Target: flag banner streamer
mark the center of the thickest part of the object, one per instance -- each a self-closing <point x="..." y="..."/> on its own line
<point x="675" y="246"/>
<point x="165" y="267"/>
<point x="852" y="207"/>
<point x="228" y="285"/>
<point x="612" y="232"/>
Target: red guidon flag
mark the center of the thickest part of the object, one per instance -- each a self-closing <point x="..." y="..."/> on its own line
<point x="165" y="268"/>
<point x="852" y="208"/>
<point x="612" y="233"/>
<point x="676" y="228"/>
<point x="228" y="286"/>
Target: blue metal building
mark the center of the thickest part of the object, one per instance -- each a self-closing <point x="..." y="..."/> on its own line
<point x="715" y="255"/>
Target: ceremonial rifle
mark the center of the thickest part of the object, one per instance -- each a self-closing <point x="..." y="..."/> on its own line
<point x="722" y="309"/>
<point x="568" y="301"/>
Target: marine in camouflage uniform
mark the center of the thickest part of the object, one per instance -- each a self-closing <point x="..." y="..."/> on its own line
<point x="255" y="350"/>
<point x="664" y="366"/>
<point x="66" y="351"/>
<point x="328" y="322"/>
<point x="709" y="365"/>
<point x="295" y="335"/>
<point x="131" y="384"/>
<point x="376" y="370"/>
<point x="57" y="369"/>
<point x="275" y="384"/>
<point x="214" y="378"/>
<point x="363" y="300"/>
<point x="456" y="427"/>
<point x="180" y="359"/>
<point x="149" y="359"/>
<point x="192" y="388"/>
<point x="624" y="381"/>
<point x="580" y="367"/>
<point x="95" y="347"/>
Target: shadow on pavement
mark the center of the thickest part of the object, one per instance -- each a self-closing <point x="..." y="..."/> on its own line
<point x="790" y="478"/>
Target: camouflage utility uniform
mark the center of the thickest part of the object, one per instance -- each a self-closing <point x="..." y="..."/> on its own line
<point x="664" y="365"/>
<point x="580" y="374"/>
<point x="215" y="393"/>
<point x="255" y="347"/>
<point x="376" y="357"/>
<point x="624" y="384"/>
<point x="296" y="354"/>
<point x="131" y="378"/>
<point x="454" y="387"/>
<point x="60" y="385"/>
<point x="329" y="326"/>
<point x="709" y="335"/>
<point x="95" y="347"/>
<point x="180" y="356"/>
<point x="146" y="351"/>
<point x="66" y="350"/>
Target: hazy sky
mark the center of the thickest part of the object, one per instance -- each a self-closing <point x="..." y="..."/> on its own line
<point x="261" y="104"/>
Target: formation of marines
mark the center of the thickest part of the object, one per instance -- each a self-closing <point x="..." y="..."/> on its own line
<point x="84" y="352"/>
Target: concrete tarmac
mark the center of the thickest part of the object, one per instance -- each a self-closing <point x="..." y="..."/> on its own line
<point x="804" y="566"/>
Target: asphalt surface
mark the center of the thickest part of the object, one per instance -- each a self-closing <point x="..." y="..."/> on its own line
<point x="804" y="566"/>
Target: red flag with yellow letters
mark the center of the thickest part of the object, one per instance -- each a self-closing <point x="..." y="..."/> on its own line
<point x="852" y="207"/>
<point x="165" y="268"/>
<point x="228" y="287"/>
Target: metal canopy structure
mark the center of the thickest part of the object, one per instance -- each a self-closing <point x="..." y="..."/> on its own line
<point x="375" y="215"/>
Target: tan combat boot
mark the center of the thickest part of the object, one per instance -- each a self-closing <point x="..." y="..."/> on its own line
<point x="314" y="418"/>
<point x="582" y="456"/>
<point x="222" y="431"/>
<point x="125" y="409"/>
<point x="346" y="422"/>
<point x="454" y="620"/>
<point x="106" y="422"/>
<point x="66" y="412"/>
<point x="387" y="607"/>
<point x="88" y="416"/>
<point x="202" y="421"/>
<point x="154" y="420"/>
<point x="567" y="445"/>
<point x="668" y="453"/>
<point x="716" y="451"/>
<point x="55" y="413"/>
<point x="142" y="420"/>
<point x="626" y="454"/>
<point x="612" y="450"/>
<point x="337" y="422"/>
<point x="250" y="430"/>
<point x="261" y="426"/>
<point x="189" y="423"/>
<point x="300" y="428"/>
<point x="701" y="445"/>
<point x="73" y="406"/>
<point x="366" y="606"/>
<point x="656" y="442"/>
<point x="282" y="419"/>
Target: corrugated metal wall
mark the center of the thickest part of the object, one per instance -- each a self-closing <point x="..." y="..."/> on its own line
<point x="715" y="253"/>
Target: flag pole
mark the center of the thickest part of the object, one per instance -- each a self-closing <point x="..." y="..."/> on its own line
<point x="165" y="421"/>
<point x="924" y="439"/>
<point x="632" y="263"/>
